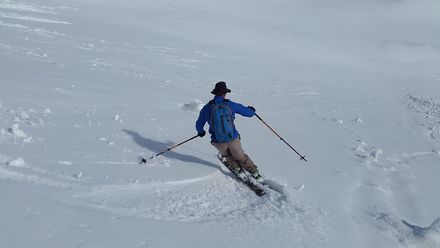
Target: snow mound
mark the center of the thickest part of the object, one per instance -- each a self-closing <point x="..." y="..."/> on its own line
<point x="407" y="234"/>
<point x="357" y="120"/>
<point x="424" y="237"/>
<point x="370" y="154"/>
<point x="194" y="106"/>
<point x="18" y="162"/>
<point x="65" y="162"/>
<point x="16" y="132"/>
<point x="117" y="118"/>
<point x="47" y="111"/>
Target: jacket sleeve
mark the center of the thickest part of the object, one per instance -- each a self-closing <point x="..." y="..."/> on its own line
<point x="203" y="118"/>
<point x="240" y="109"/>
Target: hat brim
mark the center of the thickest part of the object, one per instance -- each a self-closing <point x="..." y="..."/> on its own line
<point x="220" y="92"/>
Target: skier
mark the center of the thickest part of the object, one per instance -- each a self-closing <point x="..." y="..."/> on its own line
<point x="220" y="115"/>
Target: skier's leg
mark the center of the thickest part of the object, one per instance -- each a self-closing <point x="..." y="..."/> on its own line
<point x="226" y="156"/>
<point x="242" y="158"/>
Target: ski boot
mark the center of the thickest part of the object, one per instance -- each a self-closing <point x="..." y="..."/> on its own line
<point x="239" y="172"/>
<point x="233" y="167"/>
<point x="257" y="177"/>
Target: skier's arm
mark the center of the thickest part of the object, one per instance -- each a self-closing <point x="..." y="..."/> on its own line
<point x="241" y="109"/>
<point x="201" y="121"/>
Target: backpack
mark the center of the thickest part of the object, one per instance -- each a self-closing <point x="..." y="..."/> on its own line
<point x="222" y="122"/>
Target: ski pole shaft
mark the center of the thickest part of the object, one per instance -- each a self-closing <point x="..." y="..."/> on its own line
<point x="281" y="138"/>
<point x="169" y="149"/>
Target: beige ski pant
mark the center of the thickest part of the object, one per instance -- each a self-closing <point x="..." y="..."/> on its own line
<point x="235" y="156"/>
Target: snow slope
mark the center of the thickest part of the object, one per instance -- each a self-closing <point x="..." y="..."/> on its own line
<point x="88" y="86"/>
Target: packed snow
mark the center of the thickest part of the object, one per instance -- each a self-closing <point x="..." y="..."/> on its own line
<point x="89" y="87"/>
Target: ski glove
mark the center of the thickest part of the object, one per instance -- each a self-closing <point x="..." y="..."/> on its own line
<point x="202" y="134"/>
<point x="252" y="108"/>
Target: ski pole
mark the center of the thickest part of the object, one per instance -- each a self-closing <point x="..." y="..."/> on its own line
<point x="281" y="138"/>
<point x="143" y="160"/>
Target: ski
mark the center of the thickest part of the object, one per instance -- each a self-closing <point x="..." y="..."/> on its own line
<point x="249" y="181"/>
<point x="256" y="187"/>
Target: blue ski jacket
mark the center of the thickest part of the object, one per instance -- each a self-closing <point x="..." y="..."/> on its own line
<point x="205" y="113"/>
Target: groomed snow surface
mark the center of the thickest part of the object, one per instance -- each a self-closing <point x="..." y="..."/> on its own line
<point x="87" y="87"/>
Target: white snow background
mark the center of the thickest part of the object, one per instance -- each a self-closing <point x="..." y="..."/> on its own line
<point x="88" y="86"/>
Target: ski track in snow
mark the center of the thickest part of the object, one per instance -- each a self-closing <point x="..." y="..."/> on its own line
<point x="388" y="177"/>
<point x="17" y="169"/>
<point x="28" y="13"/>
<point x="30" y="18"/>
<point x="386" y="186"/>
<point x="49" y="44"/>
<point x="210" y="198"/>
<point x="215" y="197"/>
<point x="26" y="7"/>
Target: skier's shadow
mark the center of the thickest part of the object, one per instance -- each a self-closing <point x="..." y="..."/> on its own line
<point x="155" y="146"/>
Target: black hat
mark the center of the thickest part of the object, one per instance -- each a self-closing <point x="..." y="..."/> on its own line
<point x="220" y="89"/>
